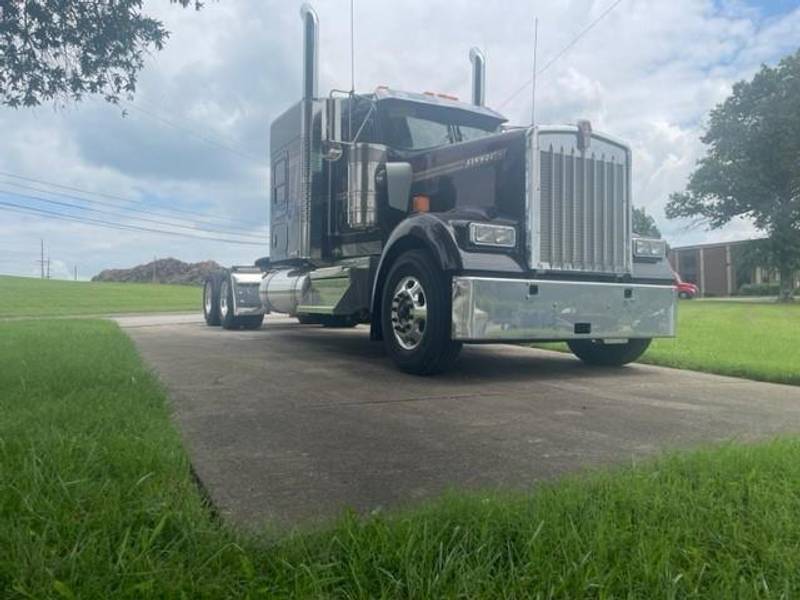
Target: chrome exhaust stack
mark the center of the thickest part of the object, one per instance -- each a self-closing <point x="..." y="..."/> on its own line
<point x="478" y="61"/>
<point x="310" y="51"/>
<point x="309" y="147"/>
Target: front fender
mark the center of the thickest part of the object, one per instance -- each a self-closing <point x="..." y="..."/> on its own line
<point x="420" y="231"/>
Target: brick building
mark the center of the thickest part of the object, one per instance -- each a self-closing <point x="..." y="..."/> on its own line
<point x="718" y="269"/>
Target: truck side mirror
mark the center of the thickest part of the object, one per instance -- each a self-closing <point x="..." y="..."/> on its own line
<point x="398" y="184"/>
<point x="332" y="151"/>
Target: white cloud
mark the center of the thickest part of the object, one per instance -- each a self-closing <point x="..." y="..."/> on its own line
<point x="648" y="73"/>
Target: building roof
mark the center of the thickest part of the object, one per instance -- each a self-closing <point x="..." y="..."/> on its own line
<point x="715" y="244"/>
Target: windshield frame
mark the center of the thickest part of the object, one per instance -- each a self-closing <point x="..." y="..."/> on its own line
<point x="453" y="117"/>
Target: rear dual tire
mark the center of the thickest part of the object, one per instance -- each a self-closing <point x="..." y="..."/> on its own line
<point x="218" y="305"/>
<point x="211" y="300"/>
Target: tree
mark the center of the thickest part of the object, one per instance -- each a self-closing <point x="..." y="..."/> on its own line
<point x="752" y="165"/>
<point x="60" y="50"/>
<point x="644" y="224"/>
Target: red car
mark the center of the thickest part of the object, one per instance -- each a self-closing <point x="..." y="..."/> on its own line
<point x="685" y="289"/>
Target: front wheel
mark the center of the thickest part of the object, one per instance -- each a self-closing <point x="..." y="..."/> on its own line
<point x="596" y="352"/>
<point x="415" y="316"/>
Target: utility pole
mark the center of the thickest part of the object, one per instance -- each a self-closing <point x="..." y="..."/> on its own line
<point x="76" y="272"/>
<point x="41" y="258"/>
<point x="48" y="266"/>
<point x="154" y="269"/>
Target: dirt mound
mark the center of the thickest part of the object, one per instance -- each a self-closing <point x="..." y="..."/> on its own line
<point x="163" y="270"/>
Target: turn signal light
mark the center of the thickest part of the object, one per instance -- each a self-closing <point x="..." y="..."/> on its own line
<point x="445" y="96"/>
<point x="421" y="204"/>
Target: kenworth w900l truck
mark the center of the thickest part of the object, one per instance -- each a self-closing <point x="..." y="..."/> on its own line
<point x="437" y="224"/>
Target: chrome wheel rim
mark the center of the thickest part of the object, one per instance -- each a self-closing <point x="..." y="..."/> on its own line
<point x="207" y="298"/>
<point x="409" y="312"/>
<point x="223" y="298"/>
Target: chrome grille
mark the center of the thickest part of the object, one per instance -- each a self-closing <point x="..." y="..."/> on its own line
<point x="579" y="217"/>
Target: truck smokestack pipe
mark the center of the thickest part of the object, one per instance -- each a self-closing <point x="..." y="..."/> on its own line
<point x="478" y="76"/>
<point x="310" y="50"/>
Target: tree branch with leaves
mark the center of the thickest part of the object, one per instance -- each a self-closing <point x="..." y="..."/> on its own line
<point x="644" y="224"/>
<point x="63" y="50"/>
<point x="752" y="165"/>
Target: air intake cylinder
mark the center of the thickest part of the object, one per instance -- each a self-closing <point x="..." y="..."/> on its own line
<point x="478" y="76"/>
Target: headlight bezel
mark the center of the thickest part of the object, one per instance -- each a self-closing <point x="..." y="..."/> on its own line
<point x="649" y="248"/>
<point x="492" y="235"/>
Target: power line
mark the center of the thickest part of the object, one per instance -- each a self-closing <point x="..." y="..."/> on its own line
<point x="144" y="211"/>
<point x="120" y="198"/>
<point x="114" y="214"/>
<point x="155" y="108"/>
<point x="194" y="134"/>
<point x="560" y="53"/>
<point x="20" y="208"/>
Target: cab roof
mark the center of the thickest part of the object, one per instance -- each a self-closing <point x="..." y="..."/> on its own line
<point x="385" y="93"/>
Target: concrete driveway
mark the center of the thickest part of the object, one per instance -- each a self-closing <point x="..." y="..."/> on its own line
<point x="294" y="423"/>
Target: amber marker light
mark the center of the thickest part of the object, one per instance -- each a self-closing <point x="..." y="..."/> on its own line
<point x="421" y="204"/>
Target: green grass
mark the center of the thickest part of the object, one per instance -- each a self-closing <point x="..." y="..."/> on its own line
<point x="25" y="296"/>
<point x="743" y="339"/>
<point x="96" y="501"/>
<point x="752" y="340"/>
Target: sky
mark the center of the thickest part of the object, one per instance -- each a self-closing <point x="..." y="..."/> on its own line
<point x="192" y="147"/>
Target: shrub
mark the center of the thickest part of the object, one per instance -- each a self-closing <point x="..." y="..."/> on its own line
<point x="762" y="289"/>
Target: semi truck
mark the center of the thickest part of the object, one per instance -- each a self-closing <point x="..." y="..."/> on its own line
<point x="438" y="224"/>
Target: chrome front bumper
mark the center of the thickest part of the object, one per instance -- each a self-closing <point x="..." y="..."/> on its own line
<point x="492" y="309"/>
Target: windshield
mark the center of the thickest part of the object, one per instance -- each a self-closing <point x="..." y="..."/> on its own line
<point x="410" y="126"/>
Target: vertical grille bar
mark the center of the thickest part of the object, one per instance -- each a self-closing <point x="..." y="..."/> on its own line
<point x="565" y="198"/>
<point x="586" y="212"/>
<point x="546" y="193"/>
<point x="555" y="208"/>
<point x="609" y="222"/>
<point x="622" y="224"/>
<point x="583" y="204"/>
<point x="601" y="220"/>
<point x="614" y="212"/>
<point x="595" y="224"/>
<point x="569" y="210"/>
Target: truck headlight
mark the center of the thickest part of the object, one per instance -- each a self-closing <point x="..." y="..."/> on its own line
<point x="647" y="248"/>
<point x="486" y="234"/>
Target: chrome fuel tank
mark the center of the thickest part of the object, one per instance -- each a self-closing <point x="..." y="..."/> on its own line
<point x="281" y="291"/>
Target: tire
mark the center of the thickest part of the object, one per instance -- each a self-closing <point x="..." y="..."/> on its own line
<point x="225" y="295"/>
<point x="211" y="300"/>
<point x="418" y="345"/>
<point x="684" y="295"/>
<point x="225" y="302"/>
<point x="595" y="352"/>
<point x="250" y="321"/>
<point x="337" y="321"/>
